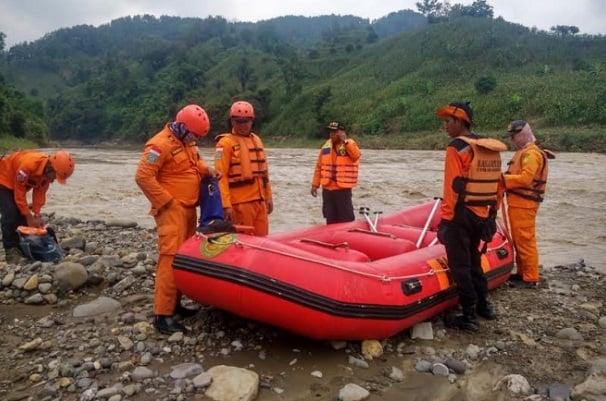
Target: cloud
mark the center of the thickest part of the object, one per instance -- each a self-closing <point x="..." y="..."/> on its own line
<point x="28" y="20"/>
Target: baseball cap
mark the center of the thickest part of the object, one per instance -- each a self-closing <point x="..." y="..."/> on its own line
<point x="514" y="127"/>
<point x="335" y="125"/>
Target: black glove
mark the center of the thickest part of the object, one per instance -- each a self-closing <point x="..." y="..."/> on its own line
<point x="442" y="229"/>
<point x="488" y="228"/>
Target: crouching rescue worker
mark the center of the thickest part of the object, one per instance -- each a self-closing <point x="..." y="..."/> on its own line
<point x="525" y="182"/>
<point x="472" y="170"/>
<point x="21" y="172"/>
<point x="244" y="185"/>
<point x="337" y="172"/>
<point x="169" y="175"/>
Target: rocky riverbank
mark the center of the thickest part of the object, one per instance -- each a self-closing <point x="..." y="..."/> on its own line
<point x="80" y="330"/>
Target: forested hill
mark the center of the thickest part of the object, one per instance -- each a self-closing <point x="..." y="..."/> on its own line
<point x="123" y="80"/>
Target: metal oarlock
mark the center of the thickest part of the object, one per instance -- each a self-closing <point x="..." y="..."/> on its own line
<point x="429" y="219"/>
<point x="365" y="211"/>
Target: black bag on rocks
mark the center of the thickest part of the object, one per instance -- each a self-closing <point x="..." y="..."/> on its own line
<point x="39" y="244"/>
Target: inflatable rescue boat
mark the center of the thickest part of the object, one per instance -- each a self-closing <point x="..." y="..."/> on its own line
<point x="367" y="279"/>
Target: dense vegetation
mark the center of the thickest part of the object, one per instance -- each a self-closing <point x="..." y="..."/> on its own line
<point x="384" y="79"/>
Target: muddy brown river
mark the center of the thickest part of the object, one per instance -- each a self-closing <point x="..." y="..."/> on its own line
<point x="571" y="221"/>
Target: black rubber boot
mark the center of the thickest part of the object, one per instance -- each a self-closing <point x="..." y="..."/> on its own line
<point x="184" y="312"/>
<point x="467" y="321"/>
<point x="515" y="277"/>
<point x="486" y="310"/>
<point x="166" y="325"/>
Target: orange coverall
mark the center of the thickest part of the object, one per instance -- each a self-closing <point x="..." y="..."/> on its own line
<point x="249" y="203"/>
<point x="169" y="175"/>
<point x="20" y="172"/>
<point x="528" y="164"/>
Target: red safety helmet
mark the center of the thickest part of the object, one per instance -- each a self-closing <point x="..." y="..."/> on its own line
<point x="63" y="164"/>
<point x="195" y="119"/>
<point x="241" y="109"/>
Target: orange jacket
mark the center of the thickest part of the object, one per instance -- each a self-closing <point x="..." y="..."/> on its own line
<point x="526" y="177"/>
<point x="170" y="170"/>
<point x="22" y="171"/>
<point x="337" y="168"/>
<point x="243" y="164"/>
<point x="472" y="169"/>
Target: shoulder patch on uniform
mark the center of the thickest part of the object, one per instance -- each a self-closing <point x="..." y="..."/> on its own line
<point x="218" y="152"/>
<point x="153" y="155"/>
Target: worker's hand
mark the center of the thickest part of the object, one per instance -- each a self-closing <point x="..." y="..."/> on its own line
<point x="213" y="172"/>
<point x="342" y="135"/>
<point x="270" y="206"/>
<point x="34" y="221"/>
<point x="442" y="230"/>
<point x="228" y="213"/>
<point x="314" y="191"/>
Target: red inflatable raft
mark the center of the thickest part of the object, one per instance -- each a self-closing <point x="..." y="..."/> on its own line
<point x="367" y="279"/>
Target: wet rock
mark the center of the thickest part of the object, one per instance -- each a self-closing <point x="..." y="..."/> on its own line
<point x="439" y="369"/>
<point x="592" y="389"/>
<point x="186" y="370"/>
<point x="232" y="383"/>
<point x="395" y="374"/>
<point x="73" y="242"/>
<point x="96" y="307"/>
<point x="70" y="276"/>
<point x="358" y="362"/>
<point x="558" y="392"/>
<point x="422" y="331"/>
<point x="141" y="373"/>
<point x="516" y="384"/>
<point x="569" y="333"/>
<point x="353" y="392"/>
<point x="371" y="349"/>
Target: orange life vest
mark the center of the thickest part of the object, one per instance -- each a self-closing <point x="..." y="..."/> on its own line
<point x="536" y="191"/>
<point x="481" y="183"/>
<point x="337" y="166"/>
<point x="247" y="163"/>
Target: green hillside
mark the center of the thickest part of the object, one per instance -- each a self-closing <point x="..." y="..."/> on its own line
<point x="384" y="79"/>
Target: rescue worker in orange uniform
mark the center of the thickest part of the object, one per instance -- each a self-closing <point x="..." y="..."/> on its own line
<point x="241" y="159"/>
<point x="525" y="182"/>
<point x="472" y="170"/>
<point x="21" y="172"/>
<point x="337" y="172"/>
<point x="169" y="175"/>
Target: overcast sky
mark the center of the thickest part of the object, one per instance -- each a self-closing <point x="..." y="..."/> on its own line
<point x="28" y="20"/>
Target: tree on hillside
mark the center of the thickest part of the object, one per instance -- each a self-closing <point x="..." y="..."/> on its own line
<point x="478" y="8"/>
<point x="434" y="10"/>
<point x="244" y="73"/>
<point x="564" y="30"/>
<point x="2" y="37"/>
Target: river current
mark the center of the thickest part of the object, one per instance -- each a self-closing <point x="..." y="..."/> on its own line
<point x="570" y="225"/>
